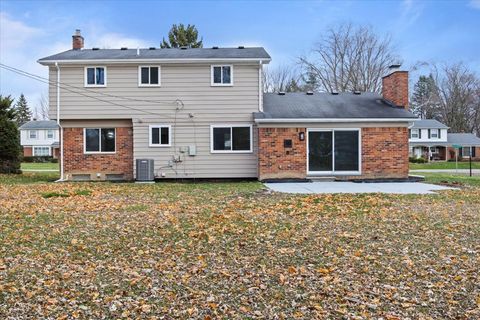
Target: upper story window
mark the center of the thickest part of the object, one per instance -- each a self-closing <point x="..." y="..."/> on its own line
<point x="32" y="134"/>
<point x="149" y="76"/>
<point x="222" y="75"/>
<point x="99" y="140"/>
<point x="433" y="133"/>
<point x="50" y="134"/>
<point x="415" y="134"/>
<point x="95" y="76"/>
<point x="226" y="138"/>
<point x="160" y="136"/>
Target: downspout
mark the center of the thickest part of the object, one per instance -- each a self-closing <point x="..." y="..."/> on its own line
<point x="260" y="91"/>
<point x="58" y="123"/>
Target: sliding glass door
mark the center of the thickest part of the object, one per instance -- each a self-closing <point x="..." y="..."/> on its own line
<point x="333" y="151"/>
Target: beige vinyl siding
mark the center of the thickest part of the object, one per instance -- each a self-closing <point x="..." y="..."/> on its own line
<point x="209" y="105"/>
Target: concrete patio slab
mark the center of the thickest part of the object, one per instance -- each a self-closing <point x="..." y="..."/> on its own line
<point x="352" y="187"/>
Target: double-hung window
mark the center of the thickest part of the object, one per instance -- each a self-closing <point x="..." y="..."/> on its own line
<point x="414" y="133"/>
<point x="159" y="136"/>
<point x="99" y="140"/>
<point x="95" y="76"/>
<point x="41" y="151"/>
<point x="50" y="134"/>
<point x="149" y="76"/>
<point x="226" y="139"/>
<point x="32" y="134"/>
<point x="466" y="151"/>
<point x="222" y="75"/>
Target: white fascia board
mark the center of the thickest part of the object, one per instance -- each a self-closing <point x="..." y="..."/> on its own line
<point x="162" y="61"/>
<point x="331" y="120"/>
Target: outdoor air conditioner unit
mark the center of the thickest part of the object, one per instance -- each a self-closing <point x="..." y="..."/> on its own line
<point x="145" y="170"/>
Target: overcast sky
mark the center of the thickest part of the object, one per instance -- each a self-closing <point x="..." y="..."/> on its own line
<point x="433" y="31"/>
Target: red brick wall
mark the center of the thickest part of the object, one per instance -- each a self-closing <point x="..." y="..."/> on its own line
<point x="277" y="162"/>
<point x="384" y="153"/>
<point x="76" y="161"/>
<point x="451" y="154"/>
<point x="395" y="88"/>
<point x="27" y="151"/>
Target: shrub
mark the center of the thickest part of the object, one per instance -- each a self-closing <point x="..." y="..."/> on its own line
<point x="417" y="160"/>
<point x="54" y="160"/>
<point x="38" y="159"/>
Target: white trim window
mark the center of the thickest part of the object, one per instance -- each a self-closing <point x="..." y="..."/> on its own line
<point x="434" y="134"/>
<point x="334" y="151"/>
<point x="415" y="134"/>
<point x="99" y="140"/>
<point x="222" y="75"/>
<point x="231" y="138"/>
<point x="149" y="76"/>
<point x="41" y="151"/>
<point x="96" y="76"/>
<point x="159" y="135"/>
<point x="466" y="152"/>
<point x="50" y="134"/>
<point x="32" y="134"/>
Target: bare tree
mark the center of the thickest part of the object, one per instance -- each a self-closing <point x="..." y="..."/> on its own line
<point x="283" y="78"/>
<point x="459" y="90"/>
<point x="41" y="112"/>
<point x="349" y="58"/>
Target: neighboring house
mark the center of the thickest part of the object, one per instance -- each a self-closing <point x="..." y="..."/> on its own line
<point x="201" y="113"/>
<point x="430" y="139"/>
<point x="40" y="138"/>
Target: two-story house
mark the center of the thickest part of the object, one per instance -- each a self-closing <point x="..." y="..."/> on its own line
<point x="40" y="138"/>
<point x="201" y="113"/>
<point x="430" y="139"/>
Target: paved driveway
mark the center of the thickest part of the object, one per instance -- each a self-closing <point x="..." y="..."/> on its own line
<point x="351" y="187"/>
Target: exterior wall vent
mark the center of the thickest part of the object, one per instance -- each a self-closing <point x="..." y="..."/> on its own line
<point x="145" y="170"/>
<point x="281" y="93"/>
<point x="81" y="177"/>
<point x="309" y="93"/>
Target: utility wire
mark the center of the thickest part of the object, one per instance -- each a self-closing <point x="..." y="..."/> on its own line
<point x="40" y="79"/>
<point x="13" y="69"/>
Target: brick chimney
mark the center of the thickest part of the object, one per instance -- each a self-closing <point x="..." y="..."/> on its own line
<point x="77" y="40"/>
<point x="395" y="86"/>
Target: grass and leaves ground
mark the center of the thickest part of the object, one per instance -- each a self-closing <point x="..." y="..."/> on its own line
<point x="39" y="166"/>
<point x="233" y="250"/>
<point x="444" y="165"/>
<point x="451" y="179"/>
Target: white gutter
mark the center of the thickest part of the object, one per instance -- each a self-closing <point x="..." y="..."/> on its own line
<point x="136" y="61"/>
<point x="329" y="120"/>
<point x="260" y="91"/>
<point x="58" y="123"/>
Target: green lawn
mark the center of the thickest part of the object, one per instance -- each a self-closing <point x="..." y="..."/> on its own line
<point x="40" y="166"/>
<point x="444" y="165"/>
<point x="233" y="251"/>
<point x="447" y="178"/>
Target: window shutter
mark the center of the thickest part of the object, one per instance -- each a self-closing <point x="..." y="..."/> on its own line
<point x="419" y="133"/>
<point x="473" y="152"/>
<point x="429" y="133"/>
<point x="439" y="133"/>
<point x="409" y="133"/>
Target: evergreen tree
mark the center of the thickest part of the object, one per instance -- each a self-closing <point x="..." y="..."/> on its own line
<point x="10" y="147"/>
<point x="23" y="112"/>
<point x="425" y="98"/>
<point x="181" y="36"/>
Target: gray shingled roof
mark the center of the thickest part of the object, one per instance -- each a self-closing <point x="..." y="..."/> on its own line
<point x="190" y="53"/>
<point x="429" y="124"/>
<point x="463" y="139"/>
<point x="42" y="124"/>
<point x="327" y="105"/>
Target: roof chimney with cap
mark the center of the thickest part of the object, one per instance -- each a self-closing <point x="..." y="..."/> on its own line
<point x="395" y="86"/>
<point x="77" y="40"/>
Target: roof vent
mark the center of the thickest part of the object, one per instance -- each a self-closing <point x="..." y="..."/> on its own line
<point x="356" y="92"/>
<point x="123" y="48"/>
<point x="309" y="93"/>
<point x="151" y="48"/>
<point x="281" y="93"/>
<point x="241" y="47"/>
<point x="183" y="48"/>
<point x="335" y="93"/>
<point x="215" y="47"/>
<point x="95" y="48"/>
